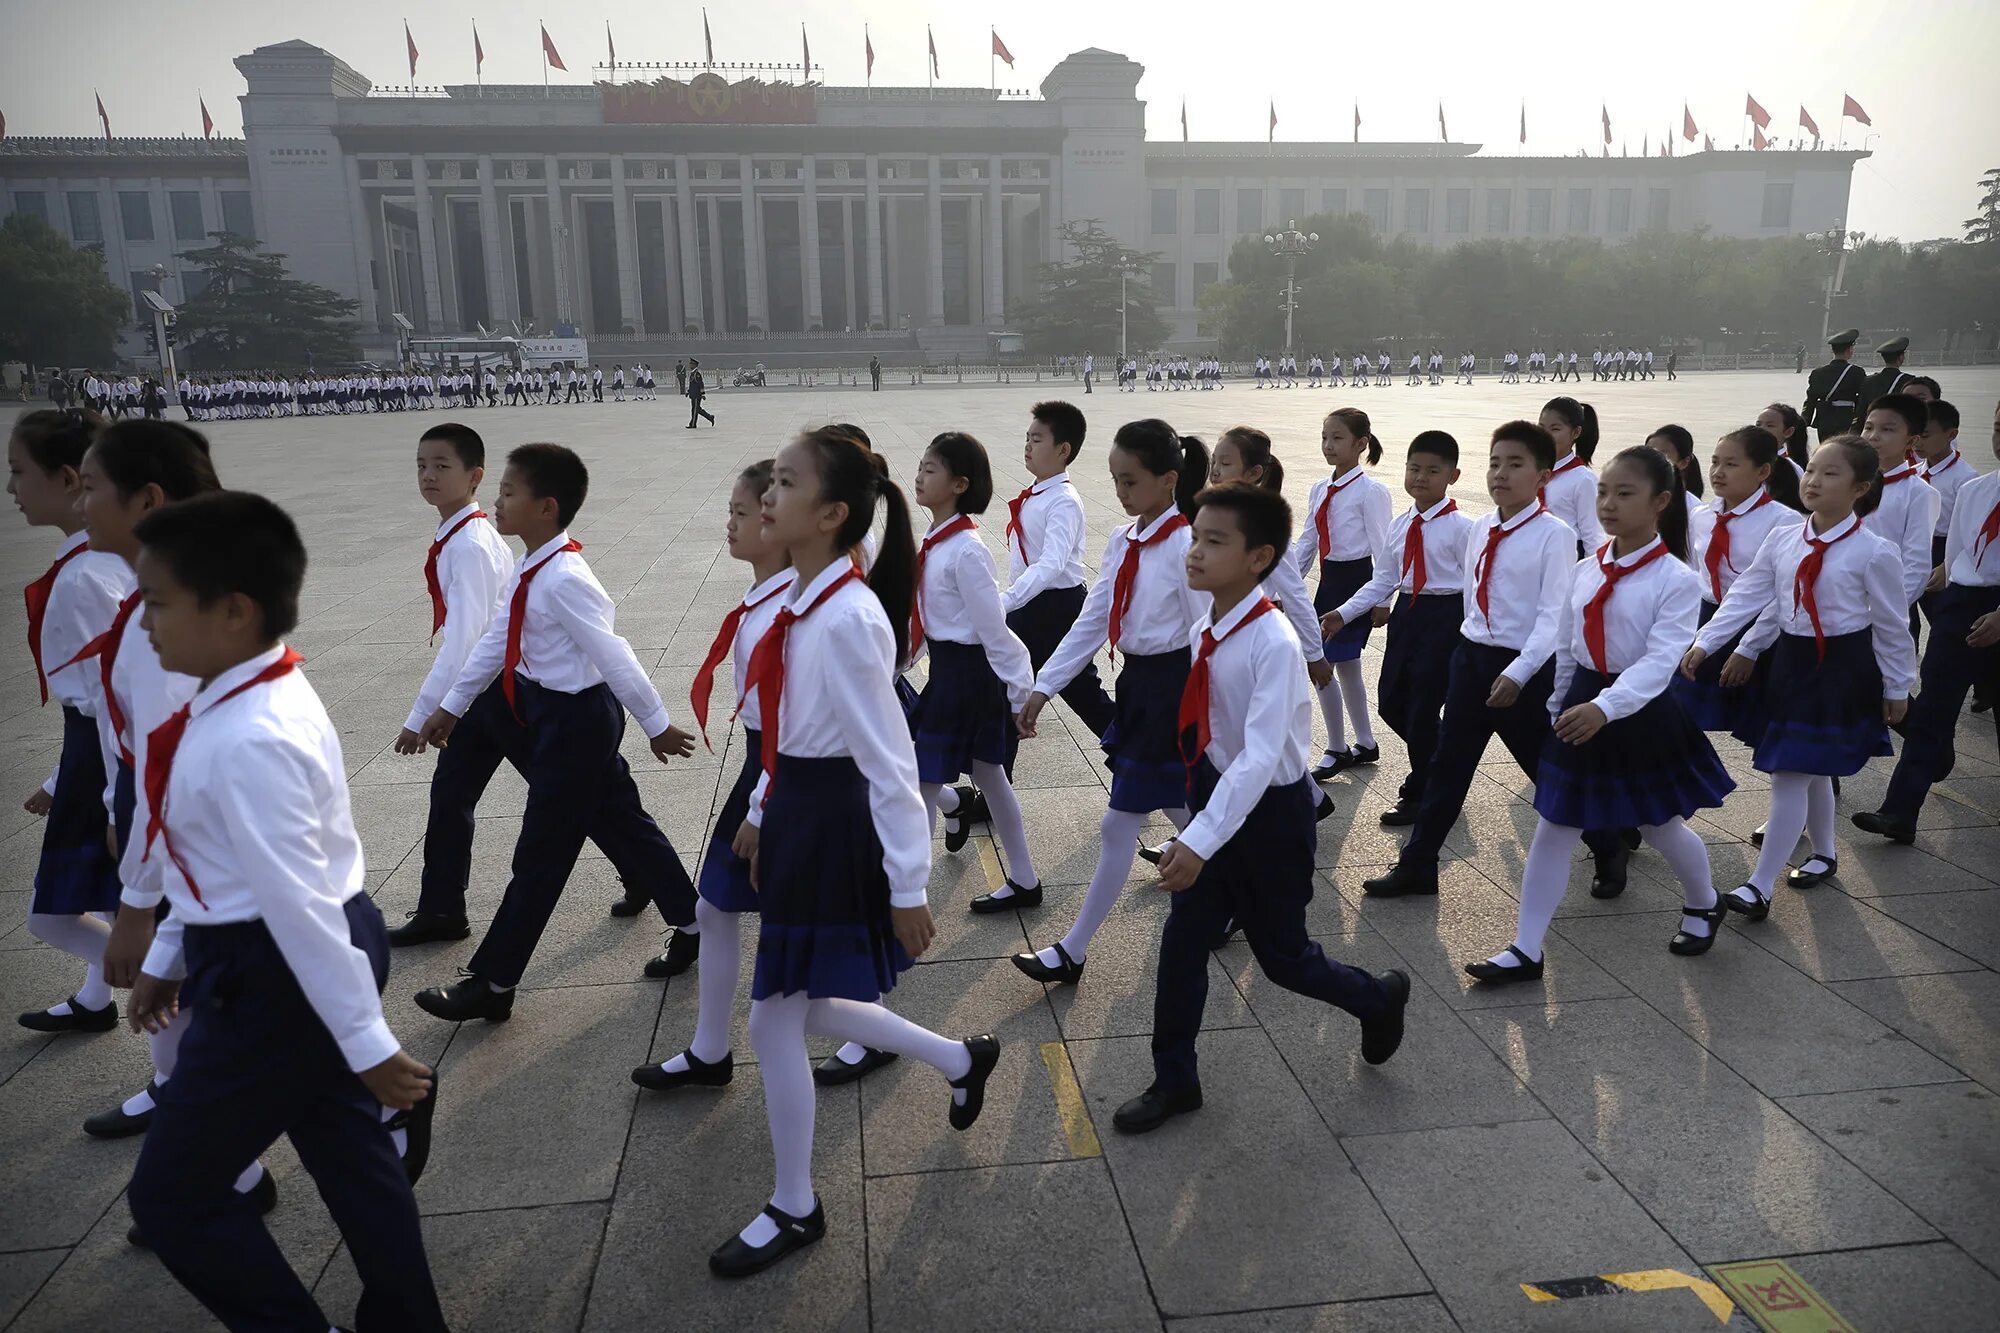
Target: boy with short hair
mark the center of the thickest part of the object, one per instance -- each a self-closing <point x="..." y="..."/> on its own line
<point x="1908" y="511"/>
<point x="274" y="955"/>
<point x="1245" y="734"/>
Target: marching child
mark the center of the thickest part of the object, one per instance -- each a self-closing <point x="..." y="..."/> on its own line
<point x="1906" y="508"/>
<point x="1947" y="472"/>
<point x="1571" y="490"/>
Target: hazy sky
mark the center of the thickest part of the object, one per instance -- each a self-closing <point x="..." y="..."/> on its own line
<point x="1923" y="71"/>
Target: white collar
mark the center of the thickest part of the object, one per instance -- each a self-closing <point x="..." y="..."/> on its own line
<point x="552" y="547"/>
<point x="1528" y="514"/>
<point x="1756" y="498"/>
<point x="1625" y="561"/>
<point x="1139" y="535"/>
<point x="759" y="591"/>
<point x="1226" y="626"/>
<point x="75" y="541"/>
<point x="471" y="508"/>
<point x="1832" y="534"/>
<point x="218" y="689"/>
<point x="1431" y="513"/>
<point x="836" y="569"/>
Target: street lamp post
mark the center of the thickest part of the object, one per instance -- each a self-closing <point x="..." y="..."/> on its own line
<point x="1126" y="269"/>
<point x="1288" y="245"/>
<point x="1834" y="245"/>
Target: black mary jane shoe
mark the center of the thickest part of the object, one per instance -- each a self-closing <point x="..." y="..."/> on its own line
<point x="698" y="1074"/>
<point x="1355" y="756"/>
<point x="677" y="957"/>
<point x="1495" y="974"/>
<point x="834" y="1071"/>
<point x="1404" y="881"/>
<point x="972" y="809"/>
<point x="78" y="1019"/>
<point x="986" y="904"/>
<point x="1152" y="856"/>
<point x="736" y="1257"/>
<point x="1688" y="945"/>
<point x="416" y="1126"/>
<point x="115" y="1124"/>
<point x="1612" y="872"/>
<point x="1065" y="973"/>
<point x="1802" y="878"/>
<point x="985" y="1052"/>
<point x="634" y="902"/>
<point x="1900" y="831"/>
<point x="467" y="998"/>
<point x="1383" y="1034"/>
<point x="263" y="1194"/>
<point x="1325" y="809"/>
<point x="1751" y="911"/>
<point x="1155" y="1107"/>
<point x="1328" y="765"/>
<point x="1402" y="813"/>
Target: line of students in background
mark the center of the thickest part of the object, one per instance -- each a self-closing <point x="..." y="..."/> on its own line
<point x="1602" y="624"/>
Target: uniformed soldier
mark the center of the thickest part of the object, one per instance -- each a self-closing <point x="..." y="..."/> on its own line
<point x="1889" y="379"/>
<point x="1834" y="389"/>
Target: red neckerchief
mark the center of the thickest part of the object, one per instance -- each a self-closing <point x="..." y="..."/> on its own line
<point x="517" y="613"/>
<point x="1194" y="695"/>
<point x="1988" y="531"/>
<point x="1127" y="581"/>
<point x="1483" y="567"/>
<point x="1718" y="542"/>
<point x="766" y="673"/>
<point x="956" y="524"/>
<point x="37" y="595"/>
<point x="1593" y="611"/>
<point x="1413" y="547"/>
<point x="704" y="679"/>
<point x="1326" y="503"/>
<point x="431" y="570"/>
<point x="105" y="649"/>
<point x="1542" y="493"/>
<point x="1950" y="460"/>
<point x="1015" y="532"/>
<point x="1903" y="473"/>
<point x="1807" y="578"/>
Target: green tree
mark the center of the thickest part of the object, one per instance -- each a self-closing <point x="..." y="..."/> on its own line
<point x="1986" y="227"/>
<point x="56" y="307"/>
<point x="1076" y="309"/>
<point x="252" y="313"/>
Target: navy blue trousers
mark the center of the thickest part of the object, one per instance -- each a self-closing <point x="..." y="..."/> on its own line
<point x="486" y="737"/>
<point x="1950" y="669"/>
<point x="577" y="781"/>
<point x="1263" y="879"/>
<point x="258" y="1063"/>
<point x="1416" y="669"/>
<point x="1040" y="624"/>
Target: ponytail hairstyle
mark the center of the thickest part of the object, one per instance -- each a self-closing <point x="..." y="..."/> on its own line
<point x="1867" y="465"/>
<point x="1661" y="473"/>
<point x="1160" y="450"/>
<point x="1761" y="447"/>
<point x="1255" y="447"/>
<point x="852" y="474"/>
<point x="1357" y="421"/>
<point x="1580" y="417"/>
<point x="174" y="457"/>
<point x="56" y="440"/>
<point x="1794" y="442"/>
<point x="1682" y="441"/>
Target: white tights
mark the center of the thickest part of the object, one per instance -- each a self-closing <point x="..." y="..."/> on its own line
<point x="1350" y="687"/>
<point x="1008" y="824"/>
<point x="1119" y="834"/>
<point x="1546" y="877"/>
<point x="1800" y="803"/>
<point x="82" y="937"/>
<point x="718" y="967"/>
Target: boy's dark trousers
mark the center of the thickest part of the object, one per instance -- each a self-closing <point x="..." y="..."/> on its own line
<point x="1262" y="879"/>
<point x="1040" y="624"/>
<point x="258" y="1063"/>
<point x="1950" y="669"/>
<point x="1416" y="670"/>
<point x="578" y="784"/>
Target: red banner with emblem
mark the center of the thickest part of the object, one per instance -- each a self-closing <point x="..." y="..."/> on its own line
<point x="708" y="99"/>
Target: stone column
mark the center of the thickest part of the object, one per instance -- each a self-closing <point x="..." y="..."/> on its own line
<point x="815" y="312"/>
<point x="493" y="245"/>
<point x="631" y="311"/>
<point x="996" y="229"/>
<point x="934" y="247"/>
<point x="855" y="318"/>
<point x="690" y="239"/>
<point x="720" y="324"/>
<point x="560" y="254"/>
<point x="364" y="247"/>
<point x="754" y="298"/>
<point x="427" y="255"/>
<point x="877" y="312"/>
<point x="893" y="303"/>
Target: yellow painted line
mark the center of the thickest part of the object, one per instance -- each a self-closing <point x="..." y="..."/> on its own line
<point x="989" y="861"/>
<point x="1535" y="1293"/>
<point x="1069" y="1102"/>
<point x="1778" y="1299"/>
<point x="1666" y="1279"/>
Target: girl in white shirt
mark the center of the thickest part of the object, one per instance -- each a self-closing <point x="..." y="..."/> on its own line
<point x="1571" y="490"/>
<point x="1783" y="420"/>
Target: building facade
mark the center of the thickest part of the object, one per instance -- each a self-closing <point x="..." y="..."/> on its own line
<point x="657" y="208"/>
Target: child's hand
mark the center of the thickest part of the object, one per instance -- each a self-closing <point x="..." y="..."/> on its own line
<point x="914" y="929"/>
<point x="131" y="937"/>
<point x="399" y="1082"/>
<point x="744" y="844"/>
<point x="438" y="728"/>
<point x="1319" y="673"/>
<point x="1179" y="868"/>
<point x="1985" y="631"/>
<point x="1031" y="712"/>
<point x="154" y="1005"/>
<point x="673" y="743"/>
<point x="1894" y="710"/>
<point x="1691" y="661"/>
<point x="1330" y="624"/>
<point x="1379" y="616"/>
<point x="1577" y="725"/>
<point x="1736" y="671"/>
<point x="38" y="803"/>
<point x="409" y="742"/>
<point x="1937" y="580"/>
<point x="1504" y="694"/>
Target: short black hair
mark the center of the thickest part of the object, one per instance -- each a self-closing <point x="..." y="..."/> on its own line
<point x="1437" y="443"/>
<point x="964" y="456"/>
<point x="1928" y="383"/>
<point x="1912" y="409"/>
<point x="1541" y="445"/>
<point x="224" y="542"/>
<point x="464" y="440"/>
<point x="553" y="472"/>
<point x="1262" y="515"/>
<point x="1943" y="414"/>
<point x="1065" y="423"/>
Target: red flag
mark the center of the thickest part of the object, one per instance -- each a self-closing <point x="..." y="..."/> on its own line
<point x="1688" y="130"/>
<point x="1184" y="137"/>
<point x="868" y="46"/>
<point x="1756" y="113"/>
<point x="207" y="121"/>
<point x="1806" y="123"/>
<point x="1442" y="136"/>
<point x="806" y="47"/>
<point x="103" y="117"/>
<point x="1271" y="136"/>
<point x="410" y="42"/>
<point x="1000" y="49"/>
<point x="933" y="45"/>
<point x="611" y="50"/>
<point x="1607" y="128"/>
<point x="1758" y="141"/>
<point x="1850" y="107"/>
<point x="1524" y="122"/>
<point x="549" y="52"/>
<point x="478" y="51"/>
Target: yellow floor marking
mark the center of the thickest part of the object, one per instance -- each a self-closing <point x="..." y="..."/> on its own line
<point x="989" y="861"/>
<point x="1069" y="1102"/>
<point x="1666" y="1279"/>
<point x="1535" y="1293"/>
<point x="1778" y="1299"/>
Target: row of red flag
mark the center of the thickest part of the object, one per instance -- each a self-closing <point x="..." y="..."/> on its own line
<point x="1849" y="109"/>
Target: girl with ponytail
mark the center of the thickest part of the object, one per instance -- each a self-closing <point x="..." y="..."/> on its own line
<point x="1571" y="490"/>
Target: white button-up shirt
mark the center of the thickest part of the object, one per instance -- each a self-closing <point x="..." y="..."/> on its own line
<point x="567" y="641"/>
<point x="1284" y="585"/>
<point x="1976" y="499"/>
<point x="1160" y="618"/>
<point x="1571" y="496"/>
<point x="1259" y="720"/>
<point x="764" y="601"/>
<point x="1859" y="587"/>
<point x="840" y="699"/>
<point x="1750" y="523"/>
<point x="1648" y="624"/>
<point x="1358" y="510"/>
<point x="149" y="695"/>
<point x="961" y="602"/>
<point x="1905" y="519"/>
<point x="82" y="604"/>
<point x="1526" y="588"/>
<point x="1947" y="477"/>
<point x="257" y="807"/>
<point x="1444" y="560"/>
<point x="1051" y="533"/>
<point x="470" y="570"/>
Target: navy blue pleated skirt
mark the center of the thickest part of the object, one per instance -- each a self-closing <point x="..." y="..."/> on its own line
<point x="824" y="894"/>
<point x="1821" y="716"/>
<point x="1142" y="744"/>
<point x="725" y="876"/>
<point x="1643" y="769"/>
<point x="76" y="873"/>
<point x="1338" y="581"/>
<point x="1707" y="702"/>
<point x="962" y="716"/>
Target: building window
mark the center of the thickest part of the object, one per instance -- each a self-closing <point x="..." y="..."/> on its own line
<point x="1250" y="211"/>
<point x="1204" y="278"/>
<point x="1621" y="211"/>
<point x="1579" y="210"/>
<point x="1659" y="204"/>
<point x="85" y="226"/>
<point x="1417" y="211"/>
<point x="1499" y="210"/>
<point x="142" y="283"/>
<point x="1163" y="284"/>
<point x="1540" y="204"/>
<point x="1375" y="203"/>
<point x="1777" y="206"/>
<point x="185" y="206"/>
<point x="1291" y="206"/>
<point x="135" y="213"/>
<point x="194" y="281"/>
<point x="1166" y="212"/>
<point x="32" y="202"/>
<point x="1333" y="201"/>
<point x="236" y="215"/>
<point x="1207" y="212"/>
<point x="1458" y="211"/>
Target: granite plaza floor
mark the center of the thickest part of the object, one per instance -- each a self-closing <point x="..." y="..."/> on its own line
<point x="1822" y="1088"/>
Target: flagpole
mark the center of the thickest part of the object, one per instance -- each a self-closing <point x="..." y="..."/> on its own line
<point x="992" y="80"/>
<point x="868" y="80"/>
<point x="545" y="56"/>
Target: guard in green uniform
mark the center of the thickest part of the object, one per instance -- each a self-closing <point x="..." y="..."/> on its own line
<point x="1833" y="390"/>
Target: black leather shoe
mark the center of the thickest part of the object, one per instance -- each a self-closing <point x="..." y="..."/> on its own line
<point x="264" y="1194"/>
<point x="78" y="1019"/>
<point x="985" y="1054"/>
<point x="735" y="1258"/>
<point x="1754" y="908"/>
<point x="1325" y="810"/>
<point x="1403" y="812"/>
<point x="1686" y="943"/>
<point x="1612" y="871"/>
<point x="699" y="1073"/>
<point x="986" y="904"/>
<point x="427" y="927"/>
<point x="1382" y="1034"/>
<point x="1903" y="831"/>
<point x="1355" y="756"/>
<point x="1328" y="765"/>
<point x="115" y="1124"/>
<point x="1065" y="973"/>
<point x="1153" y="1108"/>
<point x="1801" y="878"/>
<point x="1528" y="969"/>
<point x="834" y="1071"/>
<point x="678" y="957"/>
<point x="1404" y="881"/>
<point x="416" y="1126"/>
<point x="1152" y="856"/>
<point x="971" y="810"/>
<point x="634" y="902"/>
<point x="467" y="998"/>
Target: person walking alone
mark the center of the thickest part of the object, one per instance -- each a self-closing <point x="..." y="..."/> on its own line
<point x="695" y="390"/>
